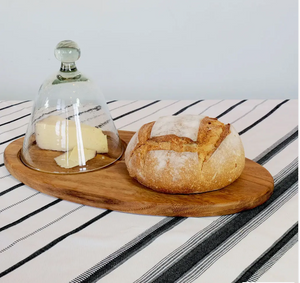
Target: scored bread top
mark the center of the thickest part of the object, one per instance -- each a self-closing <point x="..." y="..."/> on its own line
<point x="186" y="154"/>
<point x="201" y="135"/>
<point x="181" y="126"/>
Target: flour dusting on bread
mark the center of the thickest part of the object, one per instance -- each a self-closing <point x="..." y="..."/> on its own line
<point x="181" y="126"/>
<point x="185" y="154"/>
<point x="178" y="160"/>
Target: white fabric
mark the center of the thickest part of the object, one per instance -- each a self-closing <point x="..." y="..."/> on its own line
<point x="140" y="248"/>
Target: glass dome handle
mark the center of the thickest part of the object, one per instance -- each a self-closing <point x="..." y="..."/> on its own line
<point x="67" y="52"/>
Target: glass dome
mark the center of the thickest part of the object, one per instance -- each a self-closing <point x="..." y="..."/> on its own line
<point x="71" y="129"/>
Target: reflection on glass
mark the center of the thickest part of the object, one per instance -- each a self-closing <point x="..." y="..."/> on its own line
<point x="71" y="129"/>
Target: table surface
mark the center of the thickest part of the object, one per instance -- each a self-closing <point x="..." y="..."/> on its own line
<point x="44" y="239"/>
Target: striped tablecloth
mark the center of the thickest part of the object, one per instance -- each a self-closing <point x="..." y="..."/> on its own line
<point x="44" y="239"/>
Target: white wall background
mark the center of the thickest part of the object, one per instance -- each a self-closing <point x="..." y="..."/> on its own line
<point x="148" y="49"/>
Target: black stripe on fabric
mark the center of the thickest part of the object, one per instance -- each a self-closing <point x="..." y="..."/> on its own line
<point x="15" y="120"/>
<point x="230" y="108"/>
<point x="292" y="166"/>
<point x="202" y="265"/>
<point x="53" y="243"/>
<point x="183" y="109"/>
<point x="271" y="252"/>
<point x="11" y="189"/>
<point x="2" y="164"/>
<point x="30" y="215"/>
<point x="234" y="240"/>
<point x="112" y="101"/>
<point x="20" y="201"/>
<point x="187" y="262"/>
<point x="47" y="225"/>
<point x="210" y="106"/>
<point x="263" y="118"/>
<point x="47" y="113"/>
<point x="142" y="118"/>
<point x="135" y="110"/>
<point x="123" y="105"/>
<point x="103" y="124"/>
<point x="278" y="148"/>
<point x="251" y="110"/>
<point x="68" y="106"/>
<point x="13" y="112"/>
<point x="117" y="261"/>
<point x="13" y="129"/>
<point x="215" y="254"/>
<point x="274" y="259"/>
<point x="14" y="105"/>
<point x="196" y="238"/>
<point x="96" y="108"/>
<point x="273" y="154"/>
<point x="281" y="140"/>
<point x="1" y="143"/>
<point x="2" y="177"/>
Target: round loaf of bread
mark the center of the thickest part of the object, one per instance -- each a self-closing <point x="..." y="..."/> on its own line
<point x="185" y="154"/>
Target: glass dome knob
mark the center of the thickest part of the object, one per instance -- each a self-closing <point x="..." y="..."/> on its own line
<point x="67" y="51"/>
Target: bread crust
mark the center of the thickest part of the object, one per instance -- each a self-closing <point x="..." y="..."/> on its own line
<point x="180" y="165"/>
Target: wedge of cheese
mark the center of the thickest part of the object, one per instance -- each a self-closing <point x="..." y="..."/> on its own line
<point x="57" y="133"/>
<point x="75" y="157"/>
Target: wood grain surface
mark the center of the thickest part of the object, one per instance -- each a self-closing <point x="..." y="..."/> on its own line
<point x="112" y="188"/>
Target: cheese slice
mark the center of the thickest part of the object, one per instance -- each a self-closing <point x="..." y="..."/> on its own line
<point x="57" y="133"/>
<point x="75" y="157"/>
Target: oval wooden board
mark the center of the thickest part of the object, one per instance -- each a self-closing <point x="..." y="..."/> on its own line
<point x="112" y="188"/>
